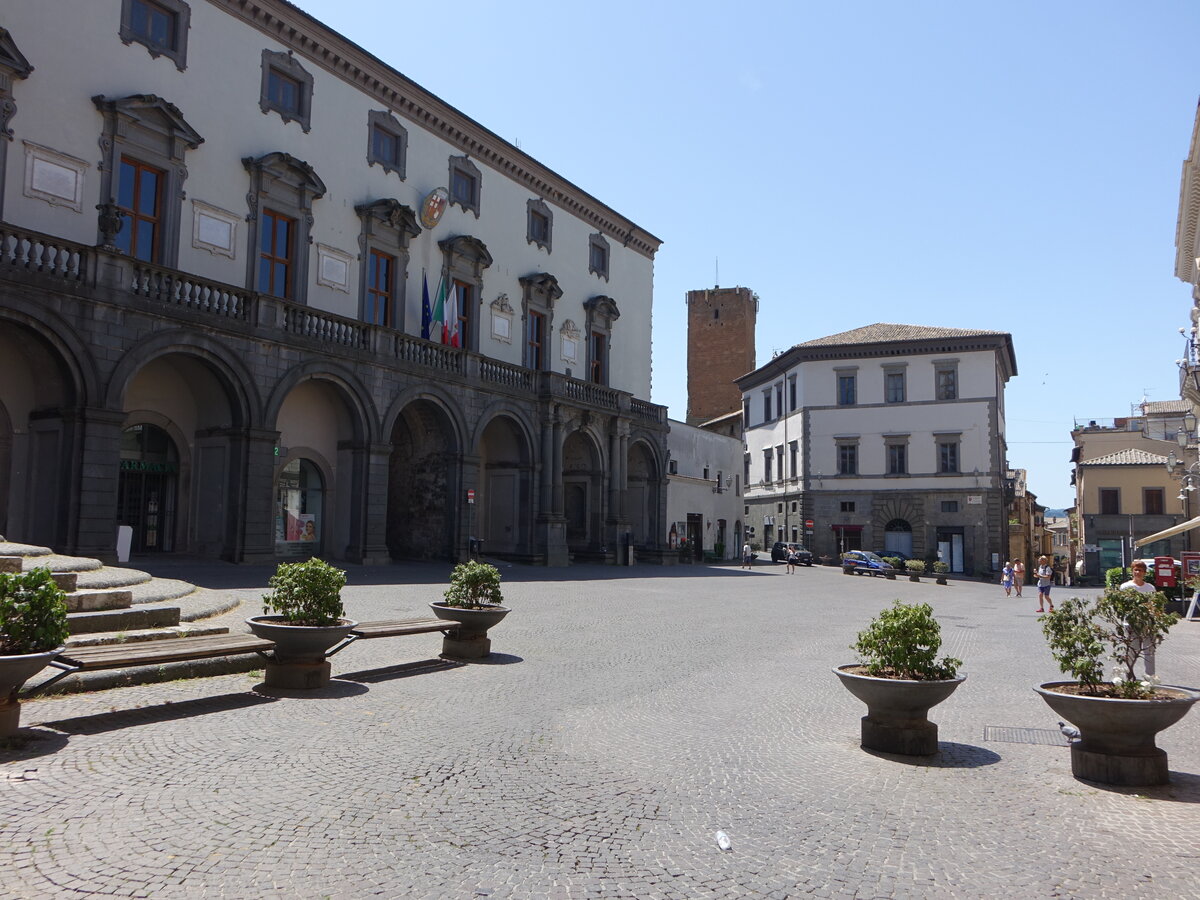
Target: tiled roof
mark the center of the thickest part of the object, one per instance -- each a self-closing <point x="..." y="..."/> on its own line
<point x="882" y="333"/>
<point x="1162" y="407"/>
<point x="1128" y="457"/>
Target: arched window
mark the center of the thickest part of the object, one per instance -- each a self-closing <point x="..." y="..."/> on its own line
<point x="147" y="487"/>
<point x="897" y="536"/>
<point x="300" y="503"/>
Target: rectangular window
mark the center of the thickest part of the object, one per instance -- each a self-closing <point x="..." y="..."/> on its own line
<point x="792" y="394"/>
<point x="847" y="390"/>
<point x="464" y="295"/>
<point x="767" y="465"/>
<point x="897" y="459"/>
<point x="1152" y="501"/>
<point x="539" y="227"/>
<point x="947" y="383"/>
<point x="894" y="387"/>
<point x="746" y="468"/>
<point x="847" y="459"/>
<point x="779" y="398"/>
<point x="1110" y="502"/>
<point x="598" y="258"/>
<point x="794" y="448"/>
<point x="537" y="339"/>
<point x="275" y="254"/>
<point x="462" y="187"/>
<point x="779" y="467"/>
<point x="380" y="267"/>
<point x="948" y="456"/>
<point x="766" y="406"/>
<point x="949" y="506"/>
<point x="385" y="146"/>
<point x="139" y="195"/>
<point x="847" y="506"/>
<point x="152" y="23"/>
<point x="745" y="413"/>
<point x="283" y="92"/>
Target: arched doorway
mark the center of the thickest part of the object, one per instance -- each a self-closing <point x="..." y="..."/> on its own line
<point x="641" y="495"/>
<point x="582" y="479"/>
<point x="422" y="484"/>
<point x="898" y="536"/>
<point x="299" y="509"/>
<point x="505" y="488"/>
<point x="148" y="488"/>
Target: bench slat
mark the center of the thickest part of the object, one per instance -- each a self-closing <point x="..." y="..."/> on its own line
<point x="116" y="656"/>
<point x="397" y="627"/>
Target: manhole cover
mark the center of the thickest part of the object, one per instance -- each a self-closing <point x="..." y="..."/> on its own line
<point x="1006" y="734"/>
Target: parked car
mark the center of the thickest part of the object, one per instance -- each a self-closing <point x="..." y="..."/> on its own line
<point x="864" y="562"/>
<point x="779" y="553"/>
<point x="903" y="557"/>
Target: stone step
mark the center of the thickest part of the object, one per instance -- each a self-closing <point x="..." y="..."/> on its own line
<point x="67" y="581"/>
<point x="11" y="564"/>
<point x="95" y="601"/>
<point x="161" y="590"/>
<point x="142" y="635"/>
<point x="124" y="620"/>
<point x="112" y="577"/>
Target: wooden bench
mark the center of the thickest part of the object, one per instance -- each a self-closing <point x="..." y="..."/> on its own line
<point x="393" y="628"/>
<point x="151" y="653"/>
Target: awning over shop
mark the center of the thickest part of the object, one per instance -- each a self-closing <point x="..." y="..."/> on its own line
<point x="1168" y="532"/>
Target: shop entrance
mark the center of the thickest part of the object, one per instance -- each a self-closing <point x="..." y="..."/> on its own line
<point x="299" y="507"/>
<point x="147" y="488"/>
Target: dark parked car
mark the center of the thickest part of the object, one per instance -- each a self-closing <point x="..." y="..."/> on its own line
<point x="903" y="557"/>
<point x="779" y="553"/>
<point x="864" y="562"/>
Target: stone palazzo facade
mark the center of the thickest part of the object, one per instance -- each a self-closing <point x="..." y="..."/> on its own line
<point x="239" y="371"/>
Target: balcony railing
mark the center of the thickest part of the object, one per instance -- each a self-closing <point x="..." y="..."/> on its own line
<point x="25" y="252"/>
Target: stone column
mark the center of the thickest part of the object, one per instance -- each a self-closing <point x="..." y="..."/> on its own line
<point x="374" y="545"/>
<point x="254" y="493"/>
<point x="99" y="434"/>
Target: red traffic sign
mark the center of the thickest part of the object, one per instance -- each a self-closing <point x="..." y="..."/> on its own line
<point x="470" y="496"/>
<point x="808" y="523"/>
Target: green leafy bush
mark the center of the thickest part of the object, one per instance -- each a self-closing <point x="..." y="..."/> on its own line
<point x="1129" y="622"/>
<point x="33" y="613"/>
<point x="902" y="642"/>
<point x="307" y="593"/>
<point x="1115" y="577"/>
<point x="915" y="565"/>
<point x="941" y="568"/>
<point x="894" y="561"/>
<point x="474" y="585"/>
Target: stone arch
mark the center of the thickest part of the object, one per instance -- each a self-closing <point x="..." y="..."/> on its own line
<point x="358" y="400"/>
<point x="886" y="531"/>
<point x="643" y="480"/>
<point x="424" y="481"/>
<point x="504" y="500"/>
<point x="583" y="489"/>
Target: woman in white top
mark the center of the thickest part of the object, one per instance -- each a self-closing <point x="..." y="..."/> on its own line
<point x="1139" y="583"/>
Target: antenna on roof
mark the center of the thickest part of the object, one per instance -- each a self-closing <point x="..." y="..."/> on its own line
<point x="716" y="272"/>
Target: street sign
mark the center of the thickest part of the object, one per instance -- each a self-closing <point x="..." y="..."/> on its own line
<point x="808" y="523"/>
<point x="471" y="496"/>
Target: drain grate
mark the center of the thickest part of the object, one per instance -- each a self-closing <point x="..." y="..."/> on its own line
<point x="1006" y="734"/>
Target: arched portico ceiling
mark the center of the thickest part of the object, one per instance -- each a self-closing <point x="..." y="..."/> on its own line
<point x="63" y="346"/>
<point x="363" y="415"/>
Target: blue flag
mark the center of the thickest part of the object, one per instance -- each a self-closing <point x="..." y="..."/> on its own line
<point x="426" y="312"/>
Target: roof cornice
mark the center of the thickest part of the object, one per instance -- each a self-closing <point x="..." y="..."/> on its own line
<point x="1000" y="343"/>
<point x="1189" y="211"/>
<point x="336" y="54"/>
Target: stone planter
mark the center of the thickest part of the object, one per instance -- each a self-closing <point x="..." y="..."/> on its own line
<point x="914" y="576"/>
<point x="897" y="711"/>
<point x="299" y="658"/>
<point x="14" y="672"/>
<point x="1116" y="744"/>
<point x="469" y="640"/>
<point x="941" y="579"/>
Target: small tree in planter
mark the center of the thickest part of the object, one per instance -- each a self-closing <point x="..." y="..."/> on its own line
<point x="309" y="619"/>
<point x="915" y="569"/>
<point x="940" y="569"/>
<point x="33" y="630"/>
<point x="1117" y="721"/>
<point x="900" y="678"/>
<point x="473" y="600"/>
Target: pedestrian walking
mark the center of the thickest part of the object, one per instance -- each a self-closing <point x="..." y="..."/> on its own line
<point x="1139" y="583"/>
<point x="1045" y="579"/>
<point x="1006" y="578"/>
<point x="792" y="559"/>
<point x="747" y="555"/>
<point x="1018" y="575"/>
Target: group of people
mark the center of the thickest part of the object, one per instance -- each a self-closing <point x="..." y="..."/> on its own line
<point x="1013" y="576"/>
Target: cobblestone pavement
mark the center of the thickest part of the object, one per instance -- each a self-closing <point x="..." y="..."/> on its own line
<point x="627" y="716"/>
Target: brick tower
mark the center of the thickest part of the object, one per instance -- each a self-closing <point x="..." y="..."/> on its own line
<point x="720" y="348"/>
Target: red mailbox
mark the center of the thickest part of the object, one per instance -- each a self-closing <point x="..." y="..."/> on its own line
<point x="1164" y="571"/>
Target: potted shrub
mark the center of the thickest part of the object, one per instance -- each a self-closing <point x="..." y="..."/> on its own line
<point x="900" y="679"/>
<point x="915" y="568"/>
<point x="896" y="563"/>
<point x="309" y="619"/>
<point x="475" y="602"/>
<point x="940" y="569"/>
<point x="33" y="630"/>
<point x="1117" y="719"/>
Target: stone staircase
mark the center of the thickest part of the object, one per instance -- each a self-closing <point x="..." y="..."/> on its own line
<point x="108" y="604"/>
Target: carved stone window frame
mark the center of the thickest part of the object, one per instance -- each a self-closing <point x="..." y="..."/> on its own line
<point x="153" y="131"/>
<point x="288" y="186"/>
<point x="538" y="206"/>
<point x="13" y="65"/>
<point x="597" y="241"/>
<point x="602" y="312"/>
<point x="183" y="20"/>
<point x="538" y="293"/>
<point x="463" y="166"/>
<point x="384" y="121"/>
<point x="287" y="65"/>
<point x="464" y="259"/>
<point x="387" y="226"/>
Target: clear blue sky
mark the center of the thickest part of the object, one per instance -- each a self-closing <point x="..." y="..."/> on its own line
<point x="1011" y="166"/>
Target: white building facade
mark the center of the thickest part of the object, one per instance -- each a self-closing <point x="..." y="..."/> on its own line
<point x="704" y="492"/>
<point x="886" y="437"/>
<point x="221" y="220"/>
